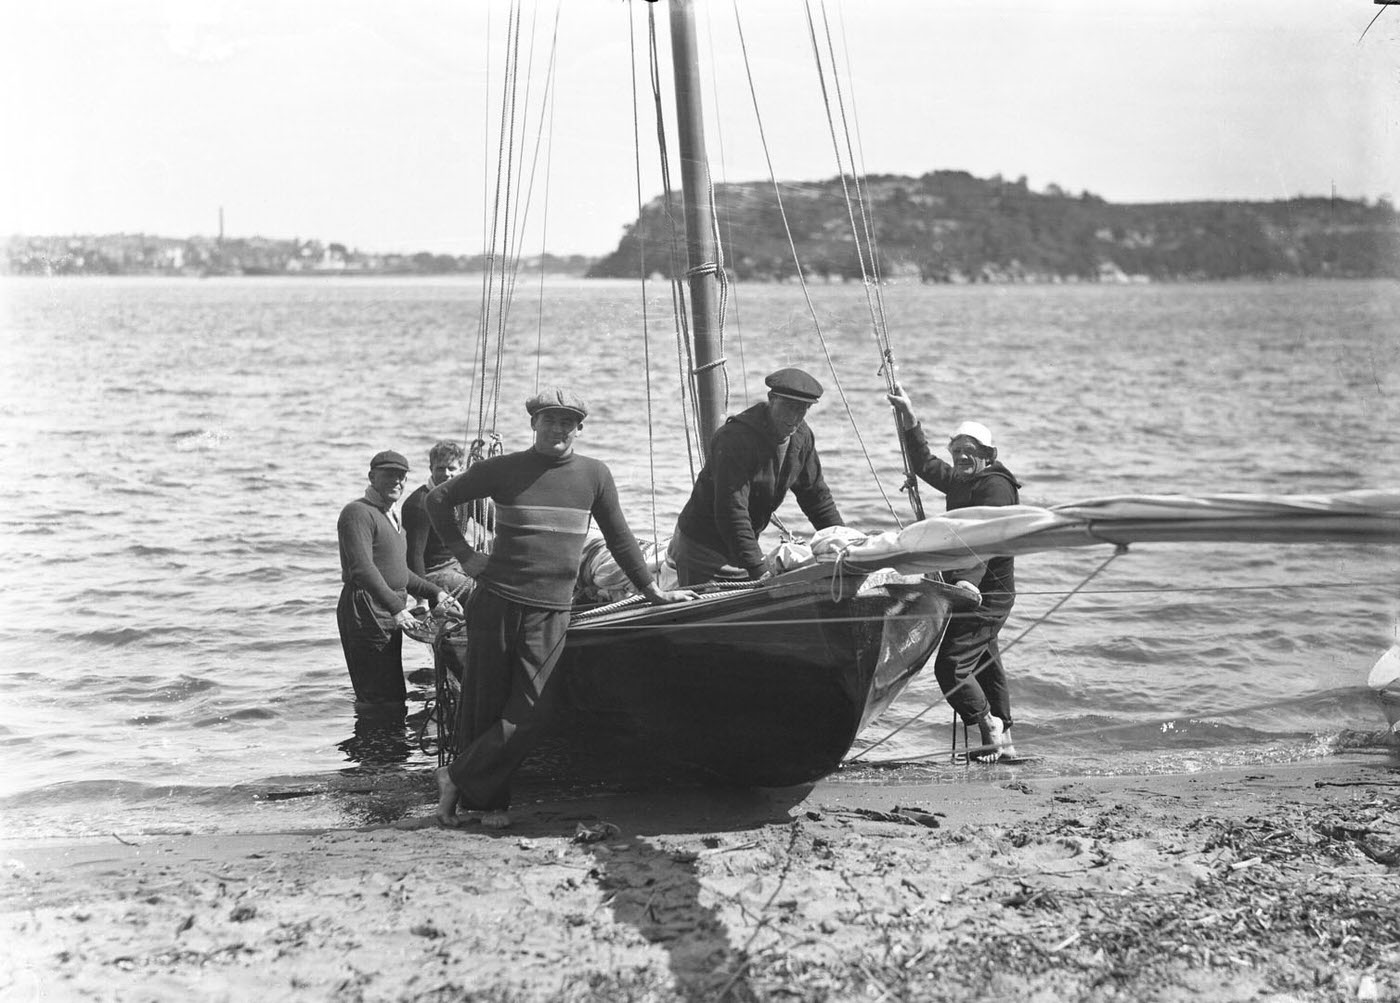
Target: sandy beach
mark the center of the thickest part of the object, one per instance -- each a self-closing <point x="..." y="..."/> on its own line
<point x="1278" y="882"/>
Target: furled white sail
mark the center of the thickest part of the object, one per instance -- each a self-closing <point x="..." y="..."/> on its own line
<point x="949" y="540"/>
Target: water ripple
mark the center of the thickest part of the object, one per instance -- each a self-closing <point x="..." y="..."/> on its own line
<point x="197" y="650"/>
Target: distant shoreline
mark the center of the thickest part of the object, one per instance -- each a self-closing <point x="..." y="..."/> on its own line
<point x="944" y="227"/>
<point x="818" y="280"/>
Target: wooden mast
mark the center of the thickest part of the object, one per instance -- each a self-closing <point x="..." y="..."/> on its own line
<point x="702" y="250"/>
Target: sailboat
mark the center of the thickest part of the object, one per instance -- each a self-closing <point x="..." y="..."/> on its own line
<point x="770" y="685"/>
<point x="766" y="685"/>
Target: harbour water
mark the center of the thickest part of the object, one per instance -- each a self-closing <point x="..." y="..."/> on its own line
<point x="181" y="449"/>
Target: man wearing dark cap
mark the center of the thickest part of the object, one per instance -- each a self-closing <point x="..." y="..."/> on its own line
<point x="968" y="665"/>
<point x="544" y="498"/>
<point x="755" y="459"/>
<point x="373" y="606"/>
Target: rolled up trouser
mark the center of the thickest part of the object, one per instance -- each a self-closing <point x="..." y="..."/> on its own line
<point x="373" y="647"/>
<point x="969" y="669"/>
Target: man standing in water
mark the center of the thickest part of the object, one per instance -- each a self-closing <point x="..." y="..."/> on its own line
<point x="968" y="665"/>
<point x="428" y="556"/>
<point x="373" y="606"/>
<point x="518" y="613"/>
<point x="755" y="458"/>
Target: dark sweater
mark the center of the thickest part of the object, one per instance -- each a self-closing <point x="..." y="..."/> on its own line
<point x="372" y="557"/>
<point x="426" y="551"/>
<point x="744" y="481"/>
<point x="542" y="510"/>
<point x="993" y="485"/>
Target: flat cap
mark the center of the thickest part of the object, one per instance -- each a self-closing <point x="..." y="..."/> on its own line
<point x="796" y="384"/>
<point x="561" y="398"/>
<point x="389" y="458"/>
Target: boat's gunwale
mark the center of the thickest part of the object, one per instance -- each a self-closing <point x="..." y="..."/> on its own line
<point x="783" y="592"/>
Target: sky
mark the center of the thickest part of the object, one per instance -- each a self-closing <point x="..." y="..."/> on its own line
<point x="377" y="125"/>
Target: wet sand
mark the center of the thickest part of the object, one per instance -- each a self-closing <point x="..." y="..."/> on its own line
<point x="1273" y="882"/>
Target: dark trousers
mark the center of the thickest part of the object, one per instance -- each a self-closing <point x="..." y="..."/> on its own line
<point x="969" y="670"/>
<point x="697" y="564"/>
<point x="373" y="648"/>
<point x="512" y="650"/>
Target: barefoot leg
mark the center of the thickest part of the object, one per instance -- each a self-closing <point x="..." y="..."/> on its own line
<point x="447" y="798"/>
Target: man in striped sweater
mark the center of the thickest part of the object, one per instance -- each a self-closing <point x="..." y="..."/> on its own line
<point x="517" y="616"/>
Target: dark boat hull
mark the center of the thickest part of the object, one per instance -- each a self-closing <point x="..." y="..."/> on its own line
<point x="759" y="688"/>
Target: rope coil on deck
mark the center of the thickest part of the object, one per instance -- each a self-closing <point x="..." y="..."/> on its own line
<point x="712" y="589"/>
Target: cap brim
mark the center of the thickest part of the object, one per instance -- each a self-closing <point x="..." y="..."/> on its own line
<point x="793" y="397"/>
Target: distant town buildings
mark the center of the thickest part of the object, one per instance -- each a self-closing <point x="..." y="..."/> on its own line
<point x="941" y="227"/>
<point x="145" y="254"/>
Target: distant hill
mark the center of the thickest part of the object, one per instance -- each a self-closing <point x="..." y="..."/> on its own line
<point x="948" y="226"/>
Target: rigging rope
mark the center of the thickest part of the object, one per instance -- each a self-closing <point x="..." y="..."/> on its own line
<point x="871" y="279"/>
<point x="511" y="198"/>
<point x="1118" y="552"/>
<point x="863" y="237"/>
<point x="546" y="108"/>
<point x="685" y="359"/>
<point x="722" y="282"/>
<point x="642" y="272"/>
<point x="480" y="354"/>
<point x="801" y="276"/>
<point x="1081" y="733"/>
<point x="726" y="292"/>
<point x="500" y="224"/>
<point x="867" y="221"/>
<point x="519" y="214"/>
<point x="920" y="617"/>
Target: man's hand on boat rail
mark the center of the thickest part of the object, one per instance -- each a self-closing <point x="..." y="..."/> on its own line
<point x="969" y="588"/>
<point x="762" y="572"/>
<point x="659" y="596"/>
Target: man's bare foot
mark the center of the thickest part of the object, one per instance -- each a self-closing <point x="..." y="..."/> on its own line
<point x="447" y="798"/>
<point x="495" y="820"/>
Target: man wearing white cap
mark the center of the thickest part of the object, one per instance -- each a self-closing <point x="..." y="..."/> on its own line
<point x="968" y="664"/>
<point x="544" y="497"/>
<point x="755" y="459"/>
